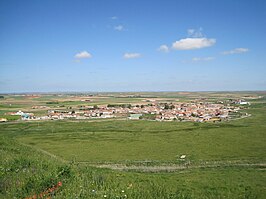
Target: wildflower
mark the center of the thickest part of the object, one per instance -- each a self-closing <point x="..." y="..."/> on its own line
<point x="125" y="195"/>
<point x="123" y="191"/>
<point x="104" y="196"/>
<point x="59" y="184"/>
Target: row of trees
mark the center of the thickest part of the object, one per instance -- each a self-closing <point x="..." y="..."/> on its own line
<point x="120" y="105"/>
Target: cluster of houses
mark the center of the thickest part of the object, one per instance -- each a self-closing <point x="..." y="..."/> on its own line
<point x="193" y="111"/>
<point x="198" y="112"/>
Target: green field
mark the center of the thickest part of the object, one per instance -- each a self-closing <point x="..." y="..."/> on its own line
<point x="136" y="159"/>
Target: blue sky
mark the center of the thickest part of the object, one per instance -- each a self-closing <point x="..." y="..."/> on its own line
<point x="123" y="45"/>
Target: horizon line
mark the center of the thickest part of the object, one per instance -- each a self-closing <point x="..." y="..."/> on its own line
<point x="162" y="91"/>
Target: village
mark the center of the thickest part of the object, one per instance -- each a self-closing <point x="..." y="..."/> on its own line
<point x="179" y="111"/>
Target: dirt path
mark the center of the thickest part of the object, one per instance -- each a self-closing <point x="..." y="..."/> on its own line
<point x="172" y="168"/>
<point x="44" y="152"/>
<point x="242" y="117"/>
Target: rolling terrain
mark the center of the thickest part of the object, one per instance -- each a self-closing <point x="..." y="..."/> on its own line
<point x="135" y="159"/>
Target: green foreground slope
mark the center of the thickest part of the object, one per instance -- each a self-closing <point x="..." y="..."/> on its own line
<point x="25" y="173"/>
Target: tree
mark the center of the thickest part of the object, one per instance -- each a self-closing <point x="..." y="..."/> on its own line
<point x="193" y="115"/>
<point x="166" y="106"/>
<point x="172" y="106"/>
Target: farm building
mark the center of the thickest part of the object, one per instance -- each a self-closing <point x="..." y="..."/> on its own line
<point x="134" y="116"/>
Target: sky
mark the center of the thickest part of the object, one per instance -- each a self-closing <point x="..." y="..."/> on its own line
<point x="132" y="45"/>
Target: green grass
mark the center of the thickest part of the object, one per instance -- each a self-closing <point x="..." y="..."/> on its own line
<point x="26" y="172"/>
<point x="11" y="117"/>
<point x="224" y="160"/>
<point x="118" y="141"/>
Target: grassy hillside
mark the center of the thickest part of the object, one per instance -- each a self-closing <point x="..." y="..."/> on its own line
<point x="28" y="173"/>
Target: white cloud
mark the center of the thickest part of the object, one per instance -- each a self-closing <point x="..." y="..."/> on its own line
<point x="196" y="59"/>
<point x="190" y="31"/>
<point x="131" y="55"/>
<point x="193" y="43"/>
<point x="195" y="33"/>
<point x="114" y="17"/>
<point x="163" y="48"/>
<point x="119" y="28"/>
<point x="83" y="55"/>
<point x="236" y="51"/>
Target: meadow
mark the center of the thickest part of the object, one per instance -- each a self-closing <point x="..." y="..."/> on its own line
<point x="135" y="159"/>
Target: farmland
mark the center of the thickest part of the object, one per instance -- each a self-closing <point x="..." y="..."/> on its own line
<point x="119" y="158"/>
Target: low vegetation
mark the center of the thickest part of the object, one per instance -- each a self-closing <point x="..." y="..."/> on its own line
<point x="135" y="159"/>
